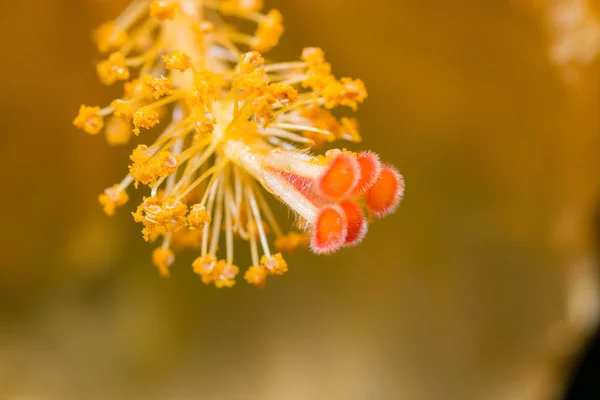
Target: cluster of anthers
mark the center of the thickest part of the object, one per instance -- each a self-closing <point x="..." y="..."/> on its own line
<point x="236" y="126"/>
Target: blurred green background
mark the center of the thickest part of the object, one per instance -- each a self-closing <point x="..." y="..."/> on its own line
<point x="481" y="286"/>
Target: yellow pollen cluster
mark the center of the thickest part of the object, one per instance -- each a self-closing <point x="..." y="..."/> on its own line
<point x="198" y="216"/>
<point x="177" y="60"/>
<point x="159" y="216"/>
<point x="269" y="265"/>
<point x="232" y="134"/>
<point x="148" y="167"/>
<point x="218" y="272"/>
<point x="274" y="264"/>
<point x="146" y="118"/>
<point x="270" y="29"/>
<point x="158" y="87"/>
<point x="113" y="69"/>
<point x="112" y="198"/>
<point x="345" y="92"/>
<point x="122" y="109"/>
<point x="163" y="259"/>
<point x="89" y="119"/>
<point x="133" y="89"/>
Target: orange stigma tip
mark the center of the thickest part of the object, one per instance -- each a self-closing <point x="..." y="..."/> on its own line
<point x="385" y="195"/>
<point x="370" y="168"/>
<point x="357" y="223"/>
<point x="341" y="177"/>
<point x="329" y="230"/>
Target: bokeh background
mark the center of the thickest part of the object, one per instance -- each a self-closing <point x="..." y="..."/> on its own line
<point x="482" y="286"/>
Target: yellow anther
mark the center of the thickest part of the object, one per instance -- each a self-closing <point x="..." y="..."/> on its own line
<point x="113" y="69"/>
<point x="198" y="216"/>
<point x="163" y="259"/>
<point x="207" y="86"/>
<point x="274" y="264"/>
<point x="251" y="79"/>
<point x="256" y="276"/>
<point x="285" y="94"/>
<point x="205" y="265"/>
<point x="250" y="61"/>
<point x="157" y="86"/>
<point x="177" y="60"/>
<point x="313" y="56"/>
<point x="134" y="89"/>
<point x="269" y="31"/>
<point x="224" y="274"/>
<point x="160" y="216"/>
<point x="112" y="198"/>
<point x="263" y="109"/>
<point x="347" y="92"/>
<point x="89" y="119"/>
<point x="318" y="70"/>
<point x="146" y="118"/>
<point x="204" y="120"/>
<point x="123" y="109"/>
<point x="147" y="168"/>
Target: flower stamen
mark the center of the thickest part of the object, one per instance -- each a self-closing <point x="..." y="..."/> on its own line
<point x="237" y="125"/>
